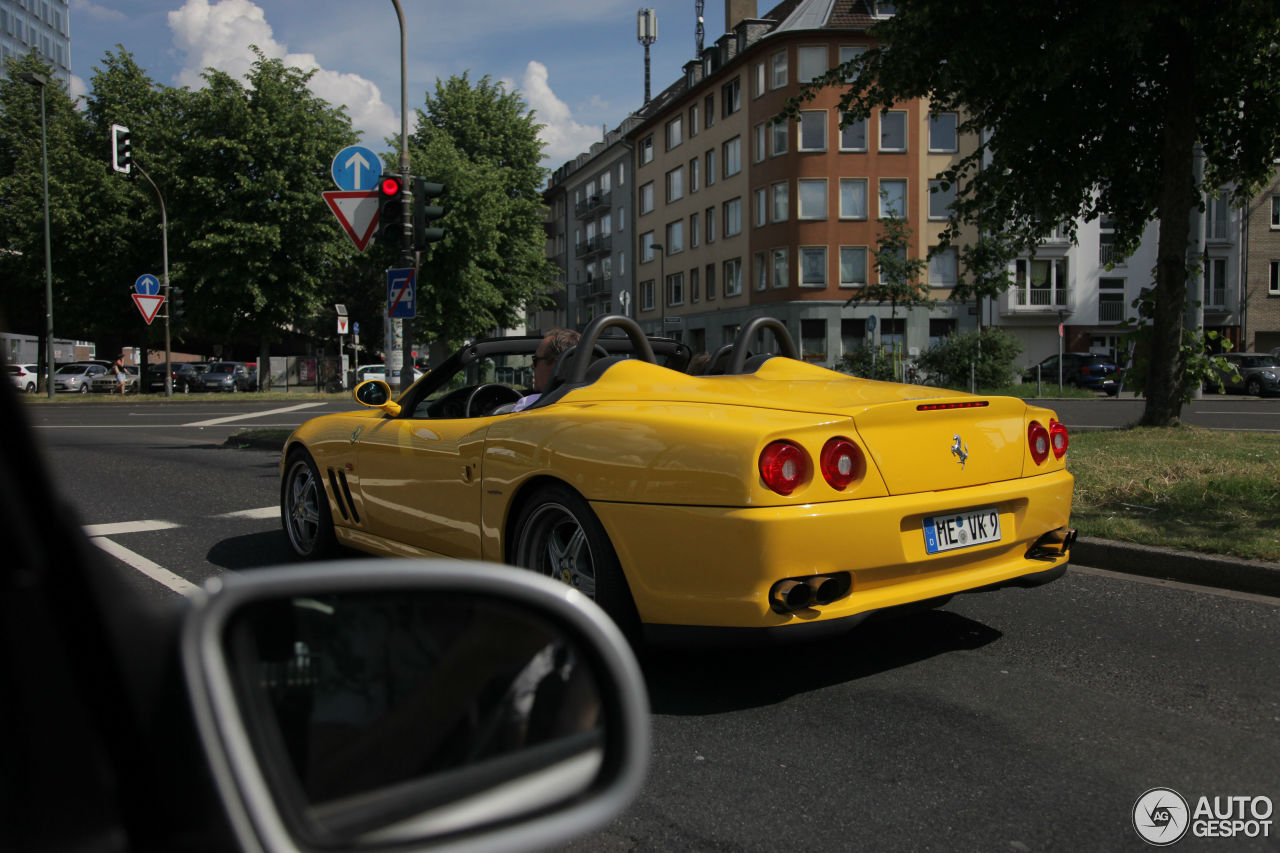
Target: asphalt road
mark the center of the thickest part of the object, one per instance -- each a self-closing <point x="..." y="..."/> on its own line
<point x="1018" y="720"/>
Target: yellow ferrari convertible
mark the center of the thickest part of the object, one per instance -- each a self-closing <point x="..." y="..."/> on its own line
<point x="766" y="495"/>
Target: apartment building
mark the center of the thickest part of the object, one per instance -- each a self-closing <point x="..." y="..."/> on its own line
<point x="40" y="25"/>
<point x="1261" y="306"/>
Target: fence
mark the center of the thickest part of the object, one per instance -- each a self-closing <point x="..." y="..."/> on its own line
<point x="306" y="373"/>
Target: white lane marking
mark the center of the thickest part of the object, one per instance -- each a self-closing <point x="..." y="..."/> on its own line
<point x="260" y="512"/>
<point x="157" y="573"/>
<point x="233" y="418"/>
<point x="127" y="527"/>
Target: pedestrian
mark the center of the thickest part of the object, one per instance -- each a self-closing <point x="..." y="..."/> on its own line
<point x="118" y="367"/>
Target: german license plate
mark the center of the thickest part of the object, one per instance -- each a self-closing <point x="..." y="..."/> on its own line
<point x="961" y="529"/>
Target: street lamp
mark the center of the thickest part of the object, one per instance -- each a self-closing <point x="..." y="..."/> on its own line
<point x="43" y="81"/>
<point x="662" y="287"/>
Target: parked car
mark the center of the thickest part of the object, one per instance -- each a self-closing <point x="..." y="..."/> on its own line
<point x="185" y="377"/>
<point x="229" y="376"/>
<point x="108" y="384"/>
<point x="252" y="367"/>
<point x="366" y="372"/>
<point x="685" y="504"/>
<point x="1089" y="370"/>
<point x="25" y="377"/>
<point x="409" y="705"/>
<point x="77" y="377"/>
<point x="1253" y="373"/>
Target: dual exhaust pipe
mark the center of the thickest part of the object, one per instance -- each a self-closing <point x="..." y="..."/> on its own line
<point x="792" y="594"/>
<point x="1054" y="544"/>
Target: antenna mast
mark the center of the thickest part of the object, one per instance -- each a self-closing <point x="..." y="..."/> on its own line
<point x="646" y="34"/>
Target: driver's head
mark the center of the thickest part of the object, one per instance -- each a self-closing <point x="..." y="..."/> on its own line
<point x="544" y="360"/>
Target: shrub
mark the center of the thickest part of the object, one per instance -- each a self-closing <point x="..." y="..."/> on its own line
<point x="991" y="351"/>
<point x="867" y="362"/>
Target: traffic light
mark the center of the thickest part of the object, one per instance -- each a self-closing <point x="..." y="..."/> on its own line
<point x="424" y="213"/>
<point x="121" y="149"/>
<point x="390" y="210"/>
<point x="177" y="305"/>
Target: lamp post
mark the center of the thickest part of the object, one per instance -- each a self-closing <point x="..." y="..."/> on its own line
<point x="42" y="81"/>
<point x="662" y="287"/>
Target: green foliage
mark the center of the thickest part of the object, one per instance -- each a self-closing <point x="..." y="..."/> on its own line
<point x="900" y="278"/>
<point x="1199" y="367"/>
<point x="481" y="143"/>
<point x="991" y="352"/>
<point x="868" y="362"/>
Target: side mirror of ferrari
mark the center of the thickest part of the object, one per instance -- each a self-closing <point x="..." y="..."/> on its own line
<point x="376" y="394"/>
<point x="377" y="704"/>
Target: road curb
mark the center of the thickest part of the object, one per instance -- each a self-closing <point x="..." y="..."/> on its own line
<point x="1253" y="576"/>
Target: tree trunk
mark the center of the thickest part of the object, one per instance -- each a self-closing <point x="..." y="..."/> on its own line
<point x="1173" y="208"/>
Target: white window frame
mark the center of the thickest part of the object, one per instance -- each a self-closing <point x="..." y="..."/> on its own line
<point x="733" y="217"/>
<point x="808" y="66"/>
<point x="675" y="132"/>
<point x="646" y="295"/>
<point x="760" y="210"/>
<point x="805" y="211"/>
<point x="884" y="205"/>
<point x="675" y="237"/>
<point x="675" y="184"/>
<point x="802" y="268"/>
<point x="846" y="129"/>
<point x="779" y="135"/>
<point x="732" y="156"/>
<point x="735" y="280"/>
<point x="938" y="124"/>
<point x="646" y="194"/>
<point x="944" y="268"/>
<point x="778" y="68"/>
<point x="845" y="213"/>
<point x="940" y="200"/>
<point x="780" y="267"/>
<point x="854" y="251"/>
<point x="807" y="118"/>
<point x="889" y="118"/>
<point x="646" y="150"/>
<point x="780" y="201"/>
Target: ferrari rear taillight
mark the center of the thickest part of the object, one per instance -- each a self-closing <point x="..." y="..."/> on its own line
<point x="1038" y="439"/>
<point x="784" y="466"/>
<point x="841" y="463"/>
<point x="1058" y="438"/>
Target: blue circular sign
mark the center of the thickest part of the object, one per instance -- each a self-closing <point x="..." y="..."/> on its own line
<point x="147" y="285"/>
<point x="871" y="323"/>
<point x="356" y="169"/>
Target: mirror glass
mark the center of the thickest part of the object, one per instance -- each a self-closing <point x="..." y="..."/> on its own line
<point x="398" y="715"/>
<point x="374" y="392"/>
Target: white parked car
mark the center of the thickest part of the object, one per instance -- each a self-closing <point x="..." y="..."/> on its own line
<point x="26" y="377"/>
<point x="366" y="372"/>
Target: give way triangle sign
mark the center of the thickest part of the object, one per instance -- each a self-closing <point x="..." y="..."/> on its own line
<point x="357" y="212"/>
<point x="148" y="305"/>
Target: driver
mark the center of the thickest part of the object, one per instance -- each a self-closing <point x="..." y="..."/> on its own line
<point x="544" y="361"/>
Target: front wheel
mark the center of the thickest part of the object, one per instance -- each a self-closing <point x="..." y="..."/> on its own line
<point x="557" y="535"/>
<point x="1253" y="387"/>
<point x="304" y="508"/>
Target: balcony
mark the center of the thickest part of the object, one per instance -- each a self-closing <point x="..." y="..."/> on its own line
<point x="1034" y="299"/>
<point x="592" y="203"/>
<point x="1111" y="308"/>
<point x="599" y="245"/>
<point x="1108" y="256"/>
<point x="595" y="287"/>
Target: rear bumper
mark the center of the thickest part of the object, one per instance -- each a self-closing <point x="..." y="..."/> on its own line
<point x="714" y="566"/>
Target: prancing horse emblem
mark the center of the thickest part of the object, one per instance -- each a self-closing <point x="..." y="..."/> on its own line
<point x="959" y="449"/>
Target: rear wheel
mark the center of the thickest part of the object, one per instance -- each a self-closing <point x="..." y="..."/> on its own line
<point x="304" y="508"/>
<point x="557" y="535"/>
<point x="1253" y="387"/>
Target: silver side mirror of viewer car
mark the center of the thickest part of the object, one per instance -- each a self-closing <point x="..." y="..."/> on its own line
<point x="408" y="705"/>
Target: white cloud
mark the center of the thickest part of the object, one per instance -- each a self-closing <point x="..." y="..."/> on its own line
<point x="219" y="34"/>
<point x="82" y="9"/>
<point x="564" y="137"/>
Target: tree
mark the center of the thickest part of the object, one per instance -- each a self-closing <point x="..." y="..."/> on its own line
<point x="482" y="144"/>
<point x="1089" y="109"/>
<point x="900" y="278"/>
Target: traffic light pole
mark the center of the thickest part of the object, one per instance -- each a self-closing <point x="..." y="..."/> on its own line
<point x="168" y="304"/>
<point x="406" y="199"/>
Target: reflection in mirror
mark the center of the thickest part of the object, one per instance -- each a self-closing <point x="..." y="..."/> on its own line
<point x="374" y="392"/>
<point x="394" y="716"/>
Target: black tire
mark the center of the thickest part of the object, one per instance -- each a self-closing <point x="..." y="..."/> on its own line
<point x="84" y="387"/>
<point x="304" y="508"/>
<point x="556" y="534"/>
<point x="1253" y="387"/>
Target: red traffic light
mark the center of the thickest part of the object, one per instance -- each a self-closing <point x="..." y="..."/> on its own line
<point x="389" y="186"/>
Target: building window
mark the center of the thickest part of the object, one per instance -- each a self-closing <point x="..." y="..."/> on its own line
<point x="711" y="281"/>
<point x="813" y="338"/>
<point x="944" y="269"/>
<point x="811" y="62"/>
<point x="758" y="84"/>
<point x="813" y="266"/>
<point x="695" y="234"/>
<point x="778" y="70"/>
<point x="1040" y="283"/>
<point x="853" y="266"/>
<point x="853" y="198"/>
<point x="731" y="97"/>
<point x="675" y="237"/>
<point x="893" y="130"/>
<point x="693" y="121"/>
<point x="646" y="247"/>
<point x="646" y="295"/>
<point x="781" y="201"/>
<point x="1275" y="211"/>
<point x="1215" y="283"/>
<point x="711" y="167"/>
<point x="1215" y="222"/>
<point x="761" y="264"/>
<point x="853" y="333"/>
<point x="733" y="156"/>
<point x="761" y="207"/>
<point x="943" y="133"/>
<point x="853" y="136"/>
<point x="710" y="216"/>
<point x="695" y="169"/>
<point x="941" y="196"/>
<point x="693" y="285"/>
<point x="1110" y="300"/>
<point x="780" y="267"/>
<point x="675" y="132"/>
<point x="850" y="52"/>
<point x="778" y="138"/>
<point x="709" y="111"/>
<point x="646" y="198"/>
<point x="732" y="277"/>
<point x="811" y="198"/>
<point x="622" y="218"/>
<point x="646" y="150"/>
<point x="1273" y="285"/>
<point x="812" y="135"/>
<point x="758" y="153"/>
<point x="893" y="199"/>
<point x="675" y="184"/>
<point x="733" y="217"/>
<point x="675" y="289"/>
<point x="606" y="225"/>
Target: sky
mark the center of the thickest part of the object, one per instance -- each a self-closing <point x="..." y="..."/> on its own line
<point x="576" y="63"/>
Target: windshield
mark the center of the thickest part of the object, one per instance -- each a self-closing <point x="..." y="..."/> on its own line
<point x="73" y="369"/>
<point x="222" y="368"/>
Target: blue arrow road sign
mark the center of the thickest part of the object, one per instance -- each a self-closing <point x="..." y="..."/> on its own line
<point x="147" y="285"/>
<point x="356" y="169"/>
<point x="400" y="294"/>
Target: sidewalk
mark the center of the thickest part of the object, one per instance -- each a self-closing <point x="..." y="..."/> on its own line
<point x="1252" y="576"/>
